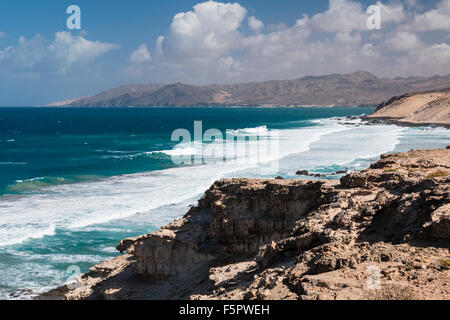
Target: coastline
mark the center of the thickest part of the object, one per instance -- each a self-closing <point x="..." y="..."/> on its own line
<point x="262" y="106"/>
<point x="316" y="231"/>
<point x="429" y="108"/>
<point x="377" y="134"/>
<point x="219" y="158"/>
<point x="403" y="123"/>
<point x="128" y="196"/>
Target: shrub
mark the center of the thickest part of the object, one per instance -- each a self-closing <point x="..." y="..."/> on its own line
<point x="438" y="174"/>
<point x="445" y="263"/>
<point x="392" y="292"/>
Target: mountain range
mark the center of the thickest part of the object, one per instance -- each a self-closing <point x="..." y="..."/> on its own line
<point x="355" y="89"/>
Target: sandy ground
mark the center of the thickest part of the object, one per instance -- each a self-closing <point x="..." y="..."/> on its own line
<point x="422" y="108"/>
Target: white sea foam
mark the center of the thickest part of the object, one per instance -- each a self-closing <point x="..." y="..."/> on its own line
<point x="346" y="147"/>
<point x="187" y="149"/>
<point x="13" y="163"/>
<point x="259" y="131"/>
<point x="58" y="258"/>
<point x="85" y="204"/>
<point x="32" y="179"/>
<point x="26" y="231"/>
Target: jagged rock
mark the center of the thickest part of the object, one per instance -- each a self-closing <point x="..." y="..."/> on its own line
<point x="294" y="239"/>
<point x="319" y="175"/>
<point x="441" y="222"/>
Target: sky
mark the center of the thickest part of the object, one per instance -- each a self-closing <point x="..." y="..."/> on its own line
<point x="204" y="42"/>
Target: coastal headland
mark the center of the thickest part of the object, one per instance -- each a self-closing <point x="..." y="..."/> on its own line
<point x="415" y="109"/>
<point x="382" y="233"/>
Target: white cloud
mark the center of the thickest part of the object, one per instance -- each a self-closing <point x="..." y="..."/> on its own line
<point x="210" y="44"/>
<point x="403" y="41"/>
<point x="347" y="15"/>
<point x="255" y="24"/>
<point x="435" y="19"/>
<point x="69" y="49"/>
<point x="208" y="31"/>
<point x="342" y="15"/>
<point x="438" y="55"/>
<point x="393" y="13"/>
<point x="37" y="56"/>
<point x="141" y="55"/>
<point x="412" y="3"/>
<point x="159" y="43"/>
<point x="430" y="61"/>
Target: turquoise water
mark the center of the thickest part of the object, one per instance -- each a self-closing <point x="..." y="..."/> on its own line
<point x="47" y="146"/>
<point x="74" y="181"/>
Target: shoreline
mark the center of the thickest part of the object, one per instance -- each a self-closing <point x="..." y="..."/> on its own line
<point x="182" y="253"/>
<point x="204" y="106"/>
<point x="342" y="119"/>
<point x="401" y="123"/>
<point x="70" y="180"/>
<point x="429" y="108"/>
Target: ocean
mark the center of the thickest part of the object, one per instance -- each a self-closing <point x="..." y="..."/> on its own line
<point x="75" y="181"/>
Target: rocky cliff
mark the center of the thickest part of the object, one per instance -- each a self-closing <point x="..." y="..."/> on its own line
<point x="432" y="107"/>
<point x="383" y="233"/>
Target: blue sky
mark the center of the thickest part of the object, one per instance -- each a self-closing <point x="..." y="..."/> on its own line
<point x="249" y="40"/>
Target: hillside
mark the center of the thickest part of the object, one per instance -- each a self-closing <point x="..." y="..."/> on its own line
<point x="432" y="107"/>
<point x="130" y="91"/>
<point x="356" y="89"/>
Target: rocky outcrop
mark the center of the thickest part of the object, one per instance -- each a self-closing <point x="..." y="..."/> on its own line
<point x="306" y="173"/>
<point x="383" y="233"/>
<point x="432" y="108"/>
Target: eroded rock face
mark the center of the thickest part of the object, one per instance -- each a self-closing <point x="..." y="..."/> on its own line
<point x="292" y="239"/>
<point x="429" y="107"/>
<point x="246" y="214"/>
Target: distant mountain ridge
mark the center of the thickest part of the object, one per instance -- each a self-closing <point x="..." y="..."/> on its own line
<point x="355" y="89"/>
